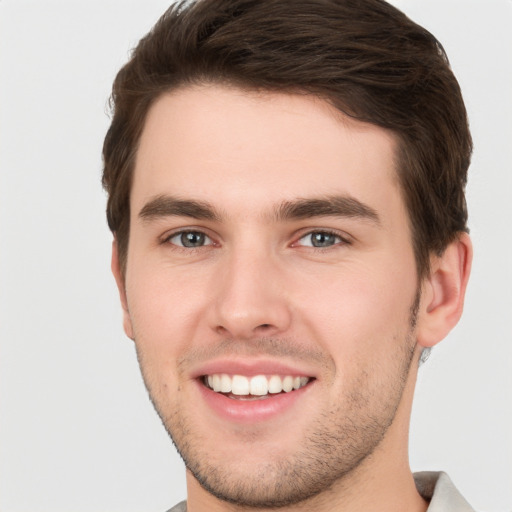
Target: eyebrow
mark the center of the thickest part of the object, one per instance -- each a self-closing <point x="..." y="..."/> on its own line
<point x="169" y="206"/>
<point x="298" y="209"/>
<point x="330" y="206"/>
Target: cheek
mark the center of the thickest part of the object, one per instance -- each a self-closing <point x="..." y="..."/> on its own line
<point x="359" y="310"/>
<point x="164" y="309"/>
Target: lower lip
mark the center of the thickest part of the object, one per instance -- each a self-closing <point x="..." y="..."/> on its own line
<point x="251" y="411"/>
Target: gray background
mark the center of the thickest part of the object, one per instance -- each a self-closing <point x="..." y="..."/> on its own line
<point x="77" y="432"/>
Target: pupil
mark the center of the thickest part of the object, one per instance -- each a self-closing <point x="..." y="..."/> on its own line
<point x="192" y="239"/>
<point x="322" y="239"/>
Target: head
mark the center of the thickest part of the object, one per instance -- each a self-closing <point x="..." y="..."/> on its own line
<point x="365" y="58"/>
<point x="286" y="190"/>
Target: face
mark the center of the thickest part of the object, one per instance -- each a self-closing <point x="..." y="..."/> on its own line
<point x="270" y="289"/>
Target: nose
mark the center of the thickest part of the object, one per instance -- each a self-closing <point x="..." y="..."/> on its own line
<point x="251" y="300"/>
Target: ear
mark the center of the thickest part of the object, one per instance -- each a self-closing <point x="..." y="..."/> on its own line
<point x="119" y="277"/>
<point x="443" y="292"/>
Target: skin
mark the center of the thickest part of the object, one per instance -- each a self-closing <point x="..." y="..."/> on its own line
<point x="254" y="291"/>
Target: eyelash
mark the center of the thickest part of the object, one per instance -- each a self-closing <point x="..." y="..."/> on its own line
<point x="343" y="240"/>
<point x="167" y="239"/>
<point x="326" y="232"/>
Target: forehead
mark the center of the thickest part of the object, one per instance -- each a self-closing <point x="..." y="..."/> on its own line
<point x="249" y="150"/>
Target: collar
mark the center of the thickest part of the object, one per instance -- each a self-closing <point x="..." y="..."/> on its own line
<point x="438" y="489"/>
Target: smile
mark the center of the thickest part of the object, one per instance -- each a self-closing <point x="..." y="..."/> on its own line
<point x="258" y="386"/>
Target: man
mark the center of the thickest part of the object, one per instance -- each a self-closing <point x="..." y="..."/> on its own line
<point x="286" y="192"/>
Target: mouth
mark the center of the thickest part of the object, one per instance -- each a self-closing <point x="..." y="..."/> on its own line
<point x="257" y="387"/>
<point x="251" y="392"/>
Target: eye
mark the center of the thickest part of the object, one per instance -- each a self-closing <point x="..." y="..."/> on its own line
<point x="321" y="239"/>
<point x="190" y="239"/>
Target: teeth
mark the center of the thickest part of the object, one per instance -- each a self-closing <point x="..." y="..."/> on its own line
<point x="225" y="383"/>
<point x="259" y="385"/>
<point x="275" y="384"/>
<point x="216" y="383"/>
<point x="287" y="384"/>
<point x="239" y="385"/>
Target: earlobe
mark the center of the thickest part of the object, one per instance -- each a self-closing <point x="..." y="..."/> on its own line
<point x="443" y="292"/>
<point x="119" y="277"/>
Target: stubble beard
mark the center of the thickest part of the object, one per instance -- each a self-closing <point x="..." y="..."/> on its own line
<point x="333" y="447"/>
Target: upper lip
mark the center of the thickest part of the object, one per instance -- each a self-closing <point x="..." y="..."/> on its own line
<point x="251" y="367"/>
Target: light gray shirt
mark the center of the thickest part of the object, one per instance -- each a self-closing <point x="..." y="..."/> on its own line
<point x="435" y="487"/>
<point x="438" y="489"/>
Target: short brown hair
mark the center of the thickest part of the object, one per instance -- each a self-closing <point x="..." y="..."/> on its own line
<point x="365" y="57"/>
